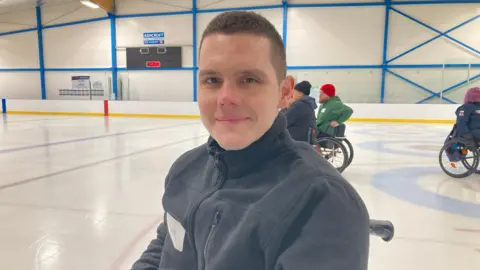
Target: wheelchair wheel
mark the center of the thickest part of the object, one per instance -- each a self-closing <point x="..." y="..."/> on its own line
<point x="467" y="164"/>
<point x="462" y="159"/>
<point x="333" y="150"/>
<point x="349" y="148"/>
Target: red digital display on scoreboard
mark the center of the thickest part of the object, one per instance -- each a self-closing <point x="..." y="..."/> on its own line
<point x="153" y="64"/>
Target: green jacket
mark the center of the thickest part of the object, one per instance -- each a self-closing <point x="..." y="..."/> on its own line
<point x="332" y="110"/>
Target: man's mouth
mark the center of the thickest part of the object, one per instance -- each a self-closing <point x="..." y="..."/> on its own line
<point x="230" y="120"/>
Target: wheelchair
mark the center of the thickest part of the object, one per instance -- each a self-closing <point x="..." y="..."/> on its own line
<point x="459" y="154"/>
<point x="337" y="146"/>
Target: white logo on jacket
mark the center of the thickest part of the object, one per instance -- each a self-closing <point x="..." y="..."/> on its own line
<point x="176" y="232"/>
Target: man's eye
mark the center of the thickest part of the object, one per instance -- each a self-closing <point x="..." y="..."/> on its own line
<point x="210" y="80"/>
<point x="250" y="80"/>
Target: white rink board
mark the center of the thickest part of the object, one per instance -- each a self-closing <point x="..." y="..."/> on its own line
<point x="362" y="111"/>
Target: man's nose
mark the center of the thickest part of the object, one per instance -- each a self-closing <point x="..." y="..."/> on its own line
<point x="229" y="94"/>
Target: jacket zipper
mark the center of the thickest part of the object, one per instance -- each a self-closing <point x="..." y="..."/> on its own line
<point x="194" y="209"/>
<point x="216" y="219"/>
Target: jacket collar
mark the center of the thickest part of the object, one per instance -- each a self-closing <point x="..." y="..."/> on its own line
<point x="238" y="163"/>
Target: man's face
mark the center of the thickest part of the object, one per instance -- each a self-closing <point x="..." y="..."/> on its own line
<point x="297" y="94"/>
<point x="238" y="95"/>
<point x="323" y="97"/>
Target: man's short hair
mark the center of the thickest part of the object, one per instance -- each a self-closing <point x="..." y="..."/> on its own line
<point x="232" y="22"/>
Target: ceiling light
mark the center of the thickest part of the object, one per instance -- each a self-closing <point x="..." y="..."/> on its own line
<point x="89" y="4"/>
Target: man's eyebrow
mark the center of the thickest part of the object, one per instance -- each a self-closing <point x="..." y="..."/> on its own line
<point x="254" y="71"/>
<point x="207" y="72"/>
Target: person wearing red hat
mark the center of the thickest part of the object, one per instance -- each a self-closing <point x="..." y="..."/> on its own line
<point x="332" y="111"/>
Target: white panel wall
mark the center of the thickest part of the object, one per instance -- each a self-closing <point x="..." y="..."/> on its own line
<point x="68" y="11"/>
<point x="436" y="80"/>
<point x="17" y="19"/>
<point x="63" y="80"/>
<point x="142" y="6"/>
<point x="335" y="36"/>
<point x="83" y="45"/>
<point x="406" y="34"/>
<point x="168" y="85"/>
<point x="275" y="16"/>
<point x="19" y="50"/>
<point x="177" y="29"/>
<point x="355" y="85"/>
<point x="20" y="85"/>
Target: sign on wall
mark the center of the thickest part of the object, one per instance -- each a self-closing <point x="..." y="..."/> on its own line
<point x="81" y="82"/>
<point x="154" y="38"/>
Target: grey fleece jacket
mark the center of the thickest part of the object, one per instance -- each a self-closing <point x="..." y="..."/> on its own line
<point x="276" y="205"/>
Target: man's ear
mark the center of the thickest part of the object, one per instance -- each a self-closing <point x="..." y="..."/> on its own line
<point x="286" y="90"/>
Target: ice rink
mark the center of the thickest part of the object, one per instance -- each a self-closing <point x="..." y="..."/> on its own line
<point x="85" y="192"/>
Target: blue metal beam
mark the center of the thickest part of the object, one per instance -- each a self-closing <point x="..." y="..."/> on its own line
<point x="435" y="2"/>
<point x="335" y="67"/>
<point x="154" y="69"/>
<point x="434" y="66"/>
<point x="285" y="22"/>
<point x="76" y="69"/>
<point x="385" y="49"/>
<point x="326" y="67"/>
<point x="76" y="22"/>
<point x="194" y="50"/>
<point x="19" y="69"/>
<point x="40" y="52"/>
<point x="123" y="16"/>
<point x="451" y="88"/>
<point x="419" y="86"/>
<point x="18" y="31"/>
<point x="434" y="38"/>
<point x="363" y="4"/>
<point x="4" y="106"/>
<point x="113" y="43"/>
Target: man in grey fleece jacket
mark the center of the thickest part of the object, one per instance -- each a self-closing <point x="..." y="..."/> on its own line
<point x="251" y="197"/>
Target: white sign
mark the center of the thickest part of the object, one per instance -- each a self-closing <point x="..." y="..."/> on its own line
<point x="80" y="82"/>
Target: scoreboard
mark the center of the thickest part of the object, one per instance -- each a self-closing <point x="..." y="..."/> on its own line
<point x="154" y="57"/>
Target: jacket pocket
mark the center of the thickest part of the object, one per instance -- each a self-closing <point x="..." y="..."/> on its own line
<point x="211" y="233"/>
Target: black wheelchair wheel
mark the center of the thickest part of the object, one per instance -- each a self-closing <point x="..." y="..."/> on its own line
<point x="467" y="164"/>
<point x="459" y="155"/>
<point x="349" y="148"/>
<point x="332" y="148"/>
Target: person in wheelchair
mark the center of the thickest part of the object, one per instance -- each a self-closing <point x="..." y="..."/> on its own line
<point x="332" y="112"/>
<point x="464" y="136"/>
<point x="467" y="124"/>
<point x="300" y="114"/>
